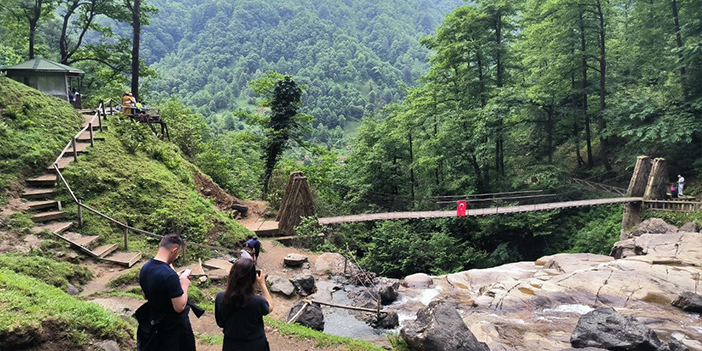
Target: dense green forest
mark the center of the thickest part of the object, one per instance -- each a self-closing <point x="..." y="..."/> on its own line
<point x="354" y="57"/>
<point x="497" y="95"/>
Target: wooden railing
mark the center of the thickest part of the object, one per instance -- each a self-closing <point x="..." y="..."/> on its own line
<point x="99" y="114"/>
<point x="673" y="206"/>
<point x="599" y="186"/>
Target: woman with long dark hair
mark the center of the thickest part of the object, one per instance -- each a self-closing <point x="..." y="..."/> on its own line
<point x="239" y="312"/>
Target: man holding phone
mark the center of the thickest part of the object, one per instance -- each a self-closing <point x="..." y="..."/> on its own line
<point x="165" y="324"/>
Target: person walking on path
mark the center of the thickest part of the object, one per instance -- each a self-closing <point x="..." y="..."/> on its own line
<point x="681" y="184"/>
<point x="239" y="312"/>
<point x="255" y="245"/>
<point x="163" y="321"/>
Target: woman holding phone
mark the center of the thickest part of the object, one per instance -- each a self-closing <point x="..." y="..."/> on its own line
<point x="240" y="312"/>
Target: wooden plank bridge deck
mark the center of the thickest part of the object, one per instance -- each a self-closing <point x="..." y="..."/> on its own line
<point x="476" y="212"/>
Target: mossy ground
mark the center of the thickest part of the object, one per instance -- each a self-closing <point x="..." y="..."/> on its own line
<point x="34" y="311"/>
<point x="34" y="128"/>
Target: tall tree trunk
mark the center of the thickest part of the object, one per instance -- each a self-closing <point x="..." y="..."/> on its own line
<point x="437" y="170"/>
<point x="33" y="21"/>
<point x="483" y="103"/>
<point x="499" y="142"/>
<point x="601" y="125"/>
<point x="679" y="43"/>
<point x="549" y="132"/>
<point x="63" y="40"/>
<point x="411" y="160"/>
<point x="586" y="115"/>
<point x="136" y="25"/>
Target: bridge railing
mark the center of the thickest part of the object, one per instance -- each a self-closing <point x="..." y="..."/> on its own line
<point x="396" y="203"/>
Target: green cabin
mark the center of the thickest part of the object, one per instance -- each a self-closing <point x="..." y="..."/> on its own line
<point x="49" y="77"/>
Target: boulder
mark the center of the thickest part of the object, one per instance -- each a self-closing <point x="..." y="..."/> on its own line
<point x="417" y="280"/>
<point x="388" y="320"/>
<point x="280" y="285"/>
<point x="304" y="284"/>
<point x="605" y="328"/>
<point x="624" y="249"/>
<point x="108" y="345"/>
<point x="689" y="301"/>
<point x="72" y="290"/>
<point x="585" y="349"/>
<point x="388" y="290"/>
<point x="473" y="279"/>
<point x="676" y="345"/>
<point x="294" y="260"/>
<point x="440" y="327"/>
<point x="654" y="226"/>
<point x="690" y="227"/>
<point x="312" y="317"/>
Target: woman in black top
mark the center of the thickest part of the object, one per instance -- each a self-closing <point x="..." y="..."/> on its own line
<point x="239" y="312"/>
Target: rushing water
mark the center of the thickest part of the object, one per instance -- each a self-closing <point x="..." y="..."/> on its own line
<point x="346" y="323"/>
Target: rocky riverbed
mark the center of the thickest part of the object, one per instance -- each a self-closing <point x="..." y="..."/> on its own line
<point x="536" y="305"/>
<point x="533" y="305"/>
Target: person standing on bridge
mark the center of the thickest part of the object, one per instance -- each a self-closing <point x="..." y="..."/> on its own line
<point x="681" y="184"/>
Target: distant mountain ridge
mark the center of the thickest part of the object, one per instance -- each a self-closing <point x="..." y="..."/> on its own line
<point x="354" y="56"/>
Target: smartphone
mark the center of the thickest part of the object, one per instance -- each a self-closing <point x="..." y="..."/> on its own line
<point x="186" y="273"/>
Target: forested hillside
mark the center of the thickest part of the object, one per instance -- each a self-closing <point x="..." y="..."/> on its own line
<point x="353" y="56"/>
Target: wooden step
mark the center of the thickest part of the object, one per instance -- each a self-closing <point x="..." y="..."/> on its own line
<point x="54" y="228"/>
<point x="41" y="205"/>
<point x="80" y="146"/>
<point x="63" y="162"/>
<point x="85" y="137"/>
<point x="126" y="259"/>
<point x="218" y="264"/>
<point x="45" y="180"/>
<point x="48" y="216"/>
<point x="86" y="241"/>
<point x="104" y="250"/>
<point x="38" y="193"/>
<point x="75" y="240"/>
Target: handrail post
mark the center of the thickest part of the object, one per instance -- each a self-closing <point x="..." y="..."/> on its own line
<point x="75" y="151"/>
<point x="92" y="141"/>
<point x="80" y="213"/>
<point x="378" y="313"/>
<point x="126" y="241"/>
<point x="100" y="121"/>
<point x="346" y="258"/>
<point x="102" y="105"/>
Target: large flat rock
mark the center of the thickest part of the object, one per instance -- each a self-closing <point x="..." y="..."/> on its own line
<point x="528" y="306"/>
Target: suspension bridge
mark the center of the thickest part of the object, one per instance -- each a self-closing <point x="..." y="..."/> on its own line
<point x="646" y="191"/>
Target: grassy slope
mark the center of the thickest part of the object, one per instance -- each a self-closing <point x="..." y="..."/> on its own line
<point x="33" y="310"/>
<point x="136" y="178"/>
<point x="34" y="128"/>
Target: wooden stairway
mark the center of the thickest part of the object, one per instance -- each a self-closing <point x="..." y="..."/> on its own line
<point x="47" y="212"/>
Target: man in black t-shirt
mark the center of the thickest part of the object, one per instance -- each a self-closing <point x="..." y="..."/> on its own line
<point x="168" y="326"/>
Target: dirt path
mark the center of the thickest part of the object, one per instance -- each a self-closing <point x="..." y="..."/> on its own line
<point x="270" y="261"/>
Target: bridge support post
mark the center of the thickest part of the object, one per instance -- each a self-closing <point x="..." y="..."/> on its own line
<point x="656" y="189"/>
<point x="637" y="188"/>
